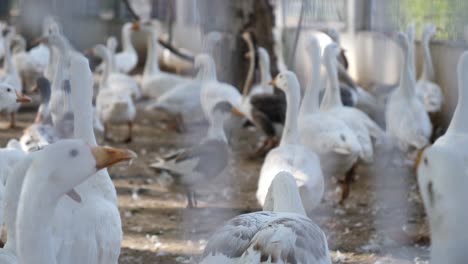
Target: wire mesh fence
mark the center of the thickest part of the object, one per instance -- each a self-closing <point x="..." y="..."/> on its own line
<point x="450" y="16"/>
<point x="316" y="13"/>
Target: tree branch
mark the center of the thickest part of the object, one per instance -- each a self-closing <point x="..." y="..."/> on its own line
<point x="131" y="11"/>
<point x="176" y="51"/>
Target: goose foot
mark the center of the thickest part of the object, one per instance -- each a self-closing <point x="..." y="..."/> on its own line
<point x="263" y="150"/>
<point x="191" y="199"/>
<point x="346" y="183"/>
<point x="130" y="133"/>
<point x="12" y="120"/>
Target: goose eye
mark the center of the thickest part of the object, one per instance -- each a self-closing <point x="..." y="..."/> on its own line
<point x="8" y="90"/>
<point x="73" y="153"/>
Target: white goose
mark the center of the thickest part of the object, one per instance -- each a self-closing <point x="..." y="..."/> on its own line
<point x="442" y="178"/>
<point x="265" y="109"/>
<point x="183" y="102"/>
<point x="9" y="157"/>
<point x="41" y="132"/>
<point x="97" y="230"/>
<point x="11" y="77"/>
<point x="457" y="132"/>
<point x="114" y="104"/>
<point x="213" y="91"/>
<point x="406" y="119"/>
<point x="426" y="90"/>
<point x="411" y="33"/>
<point x="325" y="134"/>
<point x="203" y="162"/>
<point x="10" y="206"/>
<point x="50" y="176"/>
<point x="41" y="53"/>
<point x="360" y="123"/>
<point x="28" y="68"/>
<point x="155" y="82"/>
<point x="291" y="156"/>
<point x="264" y="87"/>
<point x="364" y="128"/>
<point x="127" y="59"/>
<point x="117" y="79"/>
<point x="282" y="233"/>
<point x="60" y="101"/>
<point x="9" y="97"/>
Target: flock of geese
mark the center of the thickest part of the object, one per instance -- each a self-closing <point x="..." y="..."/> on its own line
<point x="54" y="176"/>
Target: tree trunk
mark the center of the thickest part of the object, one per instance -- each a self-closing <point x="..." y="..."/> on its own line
<point x="233" y="18"/>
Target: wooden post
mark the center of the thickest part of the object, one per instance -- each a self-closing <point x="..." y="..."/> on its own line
<point x="233" y="18"/>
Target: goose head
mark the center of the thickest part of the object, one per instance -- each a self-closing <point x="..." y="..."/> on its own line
<point x="331" y="52"/>
<point x="9" y="96"/>
<point x="333" y="34"/>
<point x="148" y="27"/>
<point x="203" y="60"/>
<point x="222" y="111"/>
<point x="283" y="195"/>
<point x="50" y="26"/>
<point x="100" y="51"/>
<point x="211" y="39"/>
<point x="70" y="162"/>
<point x="411" y="31"/>
<point x="285" y="80"/>
<point x="43" y="87"/>
<point x="429" y="31"/>
<point x="112" y="44"/>
<point x="402" y="40"/>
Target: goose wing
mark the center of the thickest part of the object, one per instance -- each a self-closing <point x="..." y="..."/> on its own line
<point x="289" y="238"/>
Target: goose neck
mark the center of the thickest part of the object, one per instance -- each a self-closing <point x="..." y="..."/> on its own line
<point x="83" y="120"/>
<point x="82" y="102"/>
<point x="265" y="74"/>
<point x="11" y="200"/>
<point x="51" y="66"/>
<point x="459" y="123"/>
<point x="332" y="97"/>
<point x="283" y="196"/>
<point x="127" y="45"/>
<point x="8" y="62"/>
<point x="207" y="71"/>
<point x="36" y="208"/>
<point x="103" y="83"/>
<point x="310" y="102"/>
<point x="290" y="133"/>
<point x="59" y="70"/>
<point x="112" y="66"/>
<point x="151" y="65"/>
<point x="428" y="68"/>
<point x="407" y="81"/>
<point x="216" y="129"/>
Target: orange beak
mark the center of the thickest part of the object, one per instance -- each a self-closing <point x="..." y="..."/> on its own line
<point x="106" y="156"/>
<point x="272" y="82"/>
<point x="136" y="26"/>
<point x="21" y="98"/>
<point x="237" y="112"/>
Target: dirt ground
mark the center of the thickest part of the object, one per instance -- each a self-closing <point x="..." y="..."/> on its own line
<point x="378" y="223"/>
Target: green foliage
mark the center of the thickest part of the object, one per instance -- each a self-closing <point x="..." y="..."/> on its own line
<point x="450" y="16"/>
